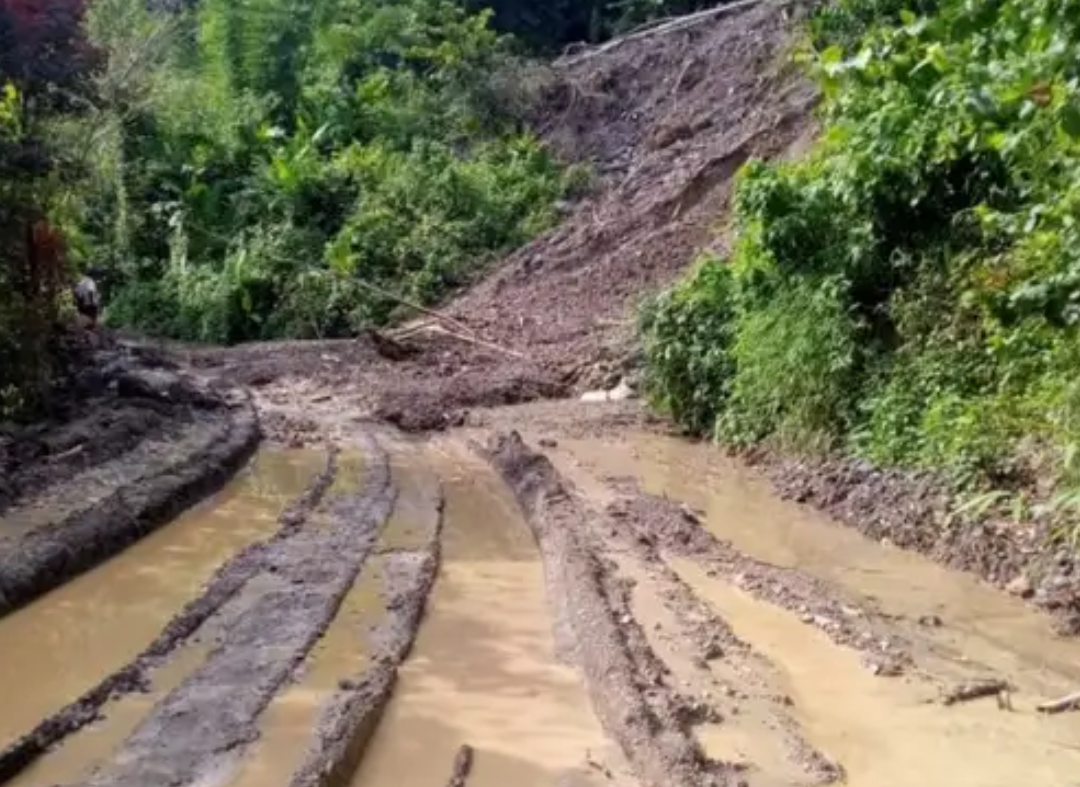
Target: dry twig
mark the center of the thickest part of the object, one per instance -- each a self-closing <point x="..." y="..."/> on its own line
<point x="966" y="692"/>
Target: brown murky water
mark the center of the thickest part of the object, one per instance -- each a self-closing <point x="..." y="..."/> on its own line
<point x="74" y="759"/>
<point x="887" y="733"/>
<point x="982" y="625"/>
<point x="61" y="645"/>
<point x="483" y="671"/>
<point x="286" y="726"/>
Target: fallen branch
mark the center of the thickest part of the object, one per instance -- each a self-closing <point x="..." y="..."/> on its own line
<point x="463" y="763"/>
<point x="422" y="309"/>
<point x="475" y="340"/>
<point x="966" y="692"/>
<point x="1069" y="702"/>
<point x="674" y="26"/>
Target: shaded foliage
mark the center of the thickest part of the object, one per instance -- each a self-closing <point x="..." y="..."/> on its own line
<point x="44" y="63"/>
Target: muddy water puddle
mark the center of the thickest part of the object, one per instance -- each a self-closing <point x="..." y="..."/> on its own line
<point x="287" y="725"/>
<point x="482" y="671"/>
<point x="65" y="642"/>
<point x="75" y="758"/>
<point x="982" y="625"/>
<point x="888" y="733"/>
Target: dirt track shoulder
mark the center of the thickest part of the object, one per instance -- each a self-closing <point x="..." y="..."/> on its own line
<point x="99" y="516"/>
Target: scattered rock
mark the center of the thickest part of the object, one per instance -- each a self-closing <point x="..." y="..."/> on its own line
<point x="1021" y="586"/>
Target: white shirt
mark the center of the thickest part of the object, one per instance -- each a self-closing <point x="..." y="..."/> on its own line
<point x="86" y="292"/>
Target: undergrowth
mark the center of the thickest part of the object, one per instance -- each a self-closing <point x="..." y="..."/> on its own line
<point x="910" y="291"/>
<point x="266" y="171"/>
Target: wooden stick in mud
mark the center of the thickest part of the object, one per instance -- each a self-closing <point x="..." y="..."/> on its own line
<point x="422" y="309"/>
<point x="1069" y="702"/>
<point x="463" y="763"/>
<point x="476" y="340"/>
<point x="966" y="692"/>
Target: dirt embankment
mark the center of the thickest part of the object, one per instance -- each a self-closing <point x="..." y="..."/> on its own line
<point x="912" y="511"/>
<point x="132" y="442"/>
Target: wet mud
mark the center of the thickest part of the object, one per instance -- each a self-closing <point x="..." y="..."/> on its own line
<point x="608" y="647"/>
<point x="484" y="673"/>
<point x="135" y="676"/>
<point x="110" y="614"/>
<point x="71" y="521"/>
<point x="604" y="606"/>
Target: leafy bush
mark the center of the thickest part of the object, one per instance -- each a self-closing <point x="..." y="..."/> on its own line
<point x="911" y="290"/>
<point x="264" y="164"/>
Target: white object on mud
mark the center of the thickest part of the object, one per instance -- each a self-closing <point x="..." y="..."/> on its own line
<point x="620" y="393"/>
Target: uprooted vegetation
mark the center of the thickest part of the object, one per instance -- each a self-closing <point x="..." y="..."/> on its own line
<point x="908" y="291"/>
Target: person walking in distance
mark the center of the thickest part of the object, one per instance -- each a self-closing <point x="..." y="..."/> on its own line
<point x="88" y="300"/>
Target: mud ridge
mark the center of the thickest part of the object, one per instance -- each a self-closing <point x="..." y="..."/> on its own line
<point x="618" y="665"/>
<point x="712" y="638"/>
<point x="50" y="555"/>
<point x="264" y="633"/>
<point x="134" y="677"/>
<point x="654" y="525"/>
<point x="351" y="717"/>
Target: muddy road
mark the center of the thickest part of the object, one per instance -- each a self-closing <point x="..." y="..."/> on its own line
<point x="549" y="595"/>
<point x="388" y="562"/>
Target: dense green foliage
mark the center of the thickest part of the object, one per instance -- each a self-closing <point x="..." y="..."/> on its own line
<point x="261" y="165"/>
<point x="909" y="292"/>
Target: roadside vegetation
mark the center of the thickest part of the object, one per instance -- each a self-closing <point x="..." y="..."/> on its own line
<point x="909" y="292"/>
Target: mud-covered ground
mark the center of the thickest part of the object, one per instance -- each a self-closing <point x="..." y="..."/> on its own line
<point x="132" y="440"/>
<point x="441" y="567"/>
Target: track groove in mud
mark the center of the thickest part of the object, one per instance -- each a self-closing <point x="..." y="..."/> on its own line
<point x="351" y="717"/>
<point x="618" y="665"/>
<point x="133" y="677"/>
<point x="266" y="631"/>
<point x="654" y="526"/>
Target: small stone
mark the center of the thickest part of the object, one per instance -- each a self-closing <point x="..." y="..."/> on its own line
<point x="1021" y="586"/>
<point x="930" y="621"/>
<point x="713" y="651"/>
